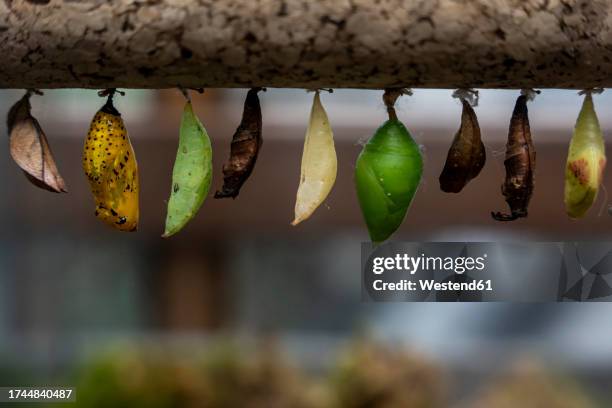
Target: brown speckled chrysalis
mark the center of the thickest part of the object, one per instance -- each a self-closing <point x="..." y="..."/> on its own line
<point x="246" y="143"/>
<point x="519" y="163"/>
<point x="466" y="156"/>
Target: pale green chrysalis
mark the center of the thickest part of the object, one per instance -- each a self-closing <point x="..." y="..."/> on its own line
<point x="192" y="174"/>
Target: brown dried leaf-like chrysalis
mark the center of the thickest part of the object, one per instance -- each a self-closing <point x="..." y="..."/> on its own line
<point x="466" y="156"/>
<point x="30" y="149"/>
<point x="246" y="143"/>
<point x="519" y="163"/>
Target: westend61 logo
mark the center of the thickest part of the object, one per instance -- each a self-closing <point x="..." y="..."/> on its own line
<point x="411" y="264"/>
<point x="400" y="265"/>
<point x="487" y="271"/>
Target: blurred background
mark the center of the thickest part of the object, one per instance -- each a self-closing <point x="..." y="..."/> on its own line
<point x="241" y="309"/>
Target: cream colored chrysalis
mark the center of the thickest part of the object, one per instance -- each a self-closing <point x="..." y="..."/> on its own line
<point x="319" y="163"/>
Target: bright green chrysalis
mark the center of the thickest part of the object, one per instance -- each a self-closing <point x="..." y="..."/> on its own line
<point x="387" y="175"/>
<point x="192" y="174"/>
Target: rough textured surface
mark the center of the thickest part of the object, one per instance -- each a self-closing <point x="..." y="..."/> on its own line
<point x="307" y="44"/>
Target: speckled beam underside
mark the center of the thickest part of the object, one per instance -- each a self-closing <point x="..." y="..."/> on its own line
<point x="306" y="43"/>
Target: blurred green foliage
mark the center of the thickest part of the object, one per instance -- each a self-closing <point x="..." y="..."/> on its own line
<point x="366" y="375"/>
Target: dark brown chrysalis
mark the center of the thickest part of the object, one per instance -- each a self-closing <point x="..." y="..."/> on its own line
<point x="466" y="156"/>
<point x="519" y="163"/>
<point x="246" y="143"/>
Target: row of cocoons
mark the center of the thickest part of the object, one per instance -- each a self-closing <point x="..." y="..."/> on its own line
<point x="387" y="173"/>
